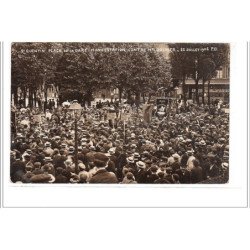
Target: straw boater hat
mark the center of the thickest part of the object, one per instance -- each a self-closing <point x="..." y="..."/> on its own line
<point x="48" y="159"/>
<point x="224" y="165"/>
<point x="130" y="160"/>
<point x="136" y="155"/>
<point x="111" y="151"/>
<point x="202" y="143"/>
<point x="190" y="150"/>
<point x="28" y="151"/>
<point x="47" y="144"/>
<point x="176" y="156"/>
<point x="71" y="149"/>
<point x="140" y="164"/>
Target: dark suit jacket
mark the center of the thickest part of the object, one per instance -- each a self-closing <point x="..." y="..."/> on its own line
<point x="213" y="171"/>
<point x="58" y="160"/>
<point x="196" y="175"/>
<point x="161" y="181"/>
<point x="61" y="179"/>
<point x="103" y="176"/>
<point x="17" y="170"/>
<point x="151" y="178"/>
<point x="142" y="176"/>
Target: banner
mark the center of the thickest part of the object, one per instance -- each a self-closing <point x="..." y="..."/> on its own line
<point x="161" y="107"/>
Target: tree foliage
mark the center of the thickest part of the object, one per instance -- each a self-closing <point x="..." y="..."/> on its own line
<point x="198" y="61"/>
<point x="85" y="67"/>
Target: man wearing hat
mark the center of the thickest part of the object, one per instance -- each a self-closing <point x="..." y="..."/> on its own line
<point x="28" y="175"/>
<point x="131" y="165"/>
<point x="136" y="156"/>
<point x="59" y="159"/>
<point x="191" y="157"/>
<point x="37" y="168"/>
<point x="71" y="150"/>
<point x="176" y="164"/>
<point x="48" y="150"/>
<point x="27" y="152"/>
<point x="102" y="175"/>
<point x="142" y="174"/>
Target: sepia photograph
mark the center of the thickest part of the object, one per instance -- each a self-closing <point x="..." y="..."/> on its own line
<point x="119" y="113"/>
<point x="123" y="121"/>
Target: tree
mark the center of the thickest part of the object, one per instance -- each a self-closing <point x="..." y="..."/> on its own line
<point x="32" y="66"/>
<point x="199" y="61"/>
<point x="141" y="69"/>
<point x="130" y="67"/>
<point x="211" y="63"/>
<point x="207" y="71"/>
<point x="78" y="69"/>
<point x="180" y="65"/>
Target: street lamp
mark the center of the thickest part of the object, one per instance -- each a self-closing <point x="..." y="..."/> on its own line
<point x="45" y="90"/>
<point x="196" y="72"/>
<point x="76" y="108"/>
<point x="176" y="89"/>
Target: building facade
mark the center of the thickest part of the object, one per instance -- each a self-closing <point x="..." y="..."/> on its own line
<point x="219" y="86"/>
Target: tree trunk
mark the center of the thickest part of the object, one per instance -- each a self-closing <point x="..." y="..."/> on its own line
<point x="24" y="97"/>
<point x="59" y="94"/>
<point x="129" y="98"/>
<point x="34" y="97"/>
<point x="15" y="96"/>
<point x="120" y="94"/>
<point x="190" y="92"/>
<point x="137" y="99"/>
<point x="45" y="98"/>
<point x="89" y="95"/>
<point x="149" y="97"/>
<point x="197" y="91"/>
<point x="143" y="97"/>
<point x="184" y="90"/>
<point x="203" y="91"/>
<point x="30" y="99"/>
<point x="208" y="93"/>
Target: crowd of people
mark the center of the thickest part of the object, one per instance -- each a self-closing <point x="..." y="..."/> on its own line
<point x="188" y="145"/>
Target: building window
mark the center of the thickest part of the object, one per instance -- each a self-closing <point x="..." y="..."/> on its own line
<point x="219" y="74"/>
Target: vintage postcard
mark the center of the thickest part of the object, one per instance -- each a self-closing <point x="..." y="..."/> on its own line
<point x="124" y="113"/>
